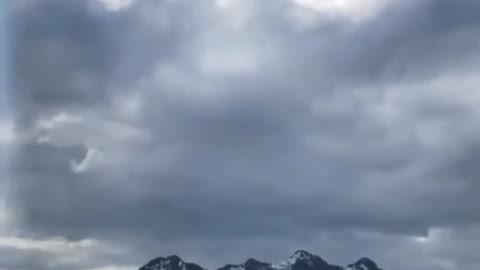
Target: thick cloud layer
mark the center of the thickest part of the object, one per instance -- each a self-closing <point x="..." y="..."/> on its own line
<point x="201" y="124"/>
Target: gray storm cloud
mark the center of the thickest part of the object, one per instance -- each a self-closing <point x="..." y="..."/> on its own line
<point x="211" y="126"/>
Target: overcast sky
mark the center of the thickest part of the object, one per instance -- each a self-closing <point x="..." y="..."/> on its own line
<point x="225" y="129"/>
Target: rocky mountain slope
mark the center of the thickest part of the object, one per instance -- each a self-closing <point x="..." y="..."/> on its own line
<point x="300" y="260"/>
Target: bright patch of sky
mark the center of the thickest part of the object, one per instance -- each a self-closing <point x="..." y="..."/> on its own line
<point x="353" y="9"/>
<point x="6" y="131"/>
<point x="116" y="5"/>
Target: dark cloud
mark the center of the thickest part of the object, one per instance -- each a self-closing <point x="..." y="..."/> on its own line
<point x="228" y="127"/>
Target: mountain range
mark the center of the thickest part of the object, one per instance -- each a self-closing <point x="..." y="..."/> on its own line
<point x="300" y="260"/>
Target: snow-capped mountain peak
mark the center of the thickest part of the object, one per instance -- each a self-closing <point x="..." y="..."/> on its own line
<point x="302" y="255"/>
<point x="300" y="258"/>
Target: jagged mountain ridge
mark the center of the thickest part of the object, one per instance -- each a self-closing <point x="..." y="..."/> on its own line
<point x="300" y="260"/>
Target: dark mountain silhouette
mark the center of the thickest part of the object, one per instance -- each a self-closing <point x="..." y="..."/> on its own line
<point x="300" y="260"/>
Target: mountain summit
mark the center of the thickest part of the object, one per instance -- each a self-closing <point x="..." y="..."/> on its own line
<point x="300" y="260"/>
<point x="304" y="260"/>
<point x="363" y="264"/>
<point x="170" y="263"/>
